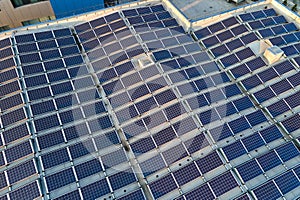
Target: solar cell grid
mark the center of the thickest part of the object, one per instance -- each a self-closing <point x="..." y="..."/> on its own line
<point x="114" y="158"/>
<point x="156" y="25"/>
<point x="57" y="76"/>
<point x="268" y="190"/>
<point x="246" y="17"/>
<point x="197" y="143"/>
<point x="18" y="151"/>
<point x="95" y="190"/>
<point x="202" y="193"/>
<point x="258" y="14"/>
<point x="26" y="48"/>
<point x="9" y="88"/>
<point x="88" y="168"/>
<point x="12" y="117"/>
<point x="287" y="182"/>
<point x="288" y="152"/>
<point x="36" y="80"/>
<point x="244" y="54"/>
<point x="71" y="195"/>
<point x="162" y="186"/>
<point x="48" y="44"/>
<point x="290" y="50"/>
<point x="164" y="136"/>
<point x="81" y="149"/>
<point x="290" y="38"/>
<point x="51" y="139"/>
<point x="55" y="158"/>
<point x="249" y="170"/>
<point x="290" y="27"/>
<point x="219" y="50"/>
<point x="279" y="19"/>
<point x="163" y="15"/>
<point x="229" y="60"/>
<point x="149" y="17"/>
<point x="239" y="125"/>
<point x="223" y="183"/>
<point x="264" y="95"/>
<point x="8" y="75"/>
<point x="30" y="58"/>
<point x="269" y="161"/>
<point x="134" y="195"/>
<point x="284" y="67"/>
<point x="76" y="131"/>
<point x="46" y="122"/>
<point x="60" y="179"/>
<point x="277" y="41"/>
<point x="5" y="64"/>
<point x="5" y="42"/>
<point x="24" y="38"/>
<point x="202" y="33"/>
<point x="256" y="118"/>
<point x="82" y="27"/>
<point x="104" y="30"/>
<point x="211" y="41"/>
<point x="278" y="29"/>
<point x="63" y="42"/>
<point x="256" y="25"/>
<point x="186" y="174"/>
<point x="174" y="154"/>
<point x="62" y="32"/>
<point x="130" y="13"/>
<point x="281" y="87"/>
<point x="268" y="22"/>
<point x="29" y="191"/>
<point x="266" y="33"/>
<point x="117" y="25"/>
<point x="44" y="35"/>
<point x="42" y="107"/>
<point x="121" y="179"/>
<point x="146" y="105"/>
<point x="253" y="142"/>
<point x="234" y="150"/>
<point x="4" y="53"/>
<point x="15" y="133"/>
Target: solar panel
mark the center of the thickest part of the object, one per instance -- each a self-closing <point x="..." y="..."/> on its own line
<point x="162" y="186"/>
<point x="95" y="190"/>
<point x="246" y="17"/>
<point x="253" y="142"/>
<point x="134" y="195"/>
<point x="223" y="183"/>
<point x="60" y="179"/>
<point x="234" y="150"/>
<point x="18" y="151"/>
<point x="186" y="174"/>
<point x="29" y="191"/>
<point x="249" y="170"/>
<point x="268" y="190"/>
<point x="122" y="179"/>
<point x="203" y="191"/>
<point x="287" y="182"/>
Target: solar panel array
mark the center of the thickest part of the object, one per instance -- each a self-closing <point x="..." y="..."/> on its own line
<point x="208" y="118"/>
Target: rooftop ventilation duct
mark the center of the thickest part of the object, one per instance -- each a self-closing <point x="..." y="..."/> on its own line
<point x="273" y="54"/>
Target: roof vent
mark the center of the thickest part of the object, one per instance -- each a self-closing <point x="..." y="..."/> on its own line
<point x="273" y="54"/>
<point x="143" y="61"/>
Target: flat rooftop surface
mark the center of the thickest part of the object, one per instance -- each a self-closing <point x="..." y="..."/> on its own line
<point x="197" y="9"/>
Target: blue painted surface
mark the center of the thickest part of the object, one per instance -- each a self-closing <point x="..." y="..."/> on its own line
<point x="65" y="8"/>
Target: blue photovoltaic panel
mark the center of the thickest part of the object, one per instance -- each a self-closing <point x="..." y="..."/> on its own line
<point x="249" y="170"/>
<point x="268" y="190"/>
<point x="223" y="183"/>
<point x="203" y="192"/>
<point x="162" y="186"/>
